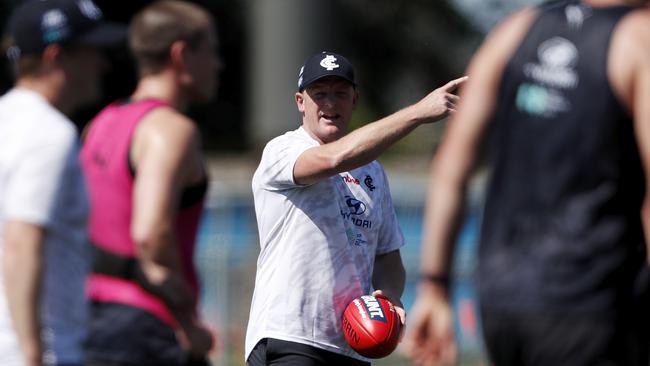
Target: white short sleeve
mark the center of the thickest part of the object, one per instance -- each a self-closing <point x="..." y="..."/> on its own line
<point x="279" y="158"/>
<point x="33" y="186"/>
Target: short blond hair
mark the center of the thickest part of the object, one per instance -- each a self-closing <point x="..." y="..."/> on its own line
<point x="156" y="27"/>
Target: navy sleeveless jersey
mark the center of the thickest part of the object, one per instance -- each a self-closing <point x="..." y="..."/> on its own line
<point x="562" y="228"/>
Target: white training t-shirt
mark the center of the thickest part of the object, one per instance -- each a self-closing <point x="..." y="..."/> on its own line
<point x="318" y="246"/>
<point x="41" y="183"/>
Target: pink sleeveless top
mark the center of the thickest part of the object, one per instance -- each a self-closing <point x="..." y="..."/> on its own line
<point x="105" y="161"/>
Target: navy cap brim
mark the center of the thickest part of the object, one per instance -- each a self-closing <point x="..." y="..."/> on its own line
<point x="306" y="83"/>
<point x="105" y="34"/>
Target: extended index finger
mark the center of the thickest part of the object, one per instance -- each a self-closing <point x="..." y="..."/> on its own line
<point x="452" y="85"/>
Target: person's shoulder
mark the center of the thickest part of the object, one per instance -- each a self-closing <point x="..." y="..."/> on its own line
<point x="30" y="106"/>
<point x="501" y="42"/>
<point x="168" y="115"/>
<point x="635" y="25"/>
<point x="632" y="37"/>
<point x="277" y="140"/>
<point x="287" y="139"/>
<point x="168" y="124"/>
<point x="36" y="117"/>
<point x="628" y="57"/>
<point x="518" y="20"/>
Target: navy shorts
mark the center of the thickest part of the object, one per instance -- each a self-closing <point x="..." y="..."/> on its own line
<point x="121" y="335"/>
<point x="271" y="351"/>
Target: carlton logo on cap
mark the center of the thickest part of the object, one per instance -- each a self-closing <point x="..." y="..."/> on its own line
<point x="54" y="25"/>
<point x="329" y="63"/>
<point x="54" y="19"/>
<point x="325" y="64"/>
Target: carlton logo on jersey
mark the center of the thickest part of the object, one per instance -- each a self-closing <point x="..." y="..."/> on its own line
<point x="369" y="183"/>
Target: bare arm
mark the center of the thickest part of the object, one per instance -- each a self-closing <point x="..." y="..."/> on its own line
<point x="430" y="338"/>
<point x="166" y="158"/>
<point x="642" y="128"/>
<point x="365" y="144"/>
<point x="641" y="111"/>
<point x="388" y="279"/>
<point x="456" y="156"/>
<point x="389" y="276"/>
<point x="629" y="71"/>
<point x="23" y="265"/>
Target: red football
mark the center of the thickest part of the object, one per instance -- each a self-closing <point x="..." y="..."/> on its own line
<point x="371" y="326"/>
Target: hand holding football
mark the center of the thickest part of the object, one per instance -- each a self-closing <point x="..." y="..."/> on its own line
<point x="371" y="326"/>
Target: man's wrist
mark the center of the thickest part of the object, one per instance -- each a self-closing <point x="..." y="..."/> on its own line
<point x="433" y="286"/>
<point x="438" y="279"/>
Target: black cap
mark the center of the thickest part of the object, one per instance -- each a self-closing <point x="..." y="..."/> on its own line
<point x="38" y="23"/>
<point x="325" y="64"/>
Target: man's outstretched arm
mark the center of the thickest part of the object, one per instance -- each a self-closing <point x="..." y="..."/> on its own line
<point x="365" y="144"/>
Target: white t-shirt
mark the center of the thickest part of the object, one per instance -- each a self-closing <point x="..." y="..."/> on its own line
<point x="318" y="246"/>
<point x="41" y="183"/>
